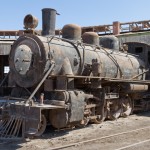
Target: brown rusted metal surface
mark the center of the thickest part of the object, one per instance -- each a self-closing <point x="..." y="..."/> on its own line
<point x="90" y="38"/>
<point x="116" y="28"/>
<point x="104" y="63"/>
<point x="30" y="22"/>
<point x="80" y="81"/>
<point x="71" y="32"/>
<point x="11" y="33"/>
<point x="101" y="29"/>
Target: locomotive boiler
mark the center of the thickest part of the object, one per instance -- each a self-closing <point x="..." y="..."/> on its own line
<point x="70" y="80"/>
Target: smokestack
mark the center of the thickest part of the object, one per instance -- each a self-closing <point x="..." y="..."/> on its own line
<point x="48" y="21"/>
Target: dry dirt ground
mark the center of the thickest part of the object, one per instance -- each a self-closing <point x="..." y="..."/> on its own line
<point x="53" y="139"/>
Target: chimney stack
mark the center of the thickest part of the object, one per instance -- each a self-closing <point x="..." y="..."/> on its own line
<point x="48" y="21"/>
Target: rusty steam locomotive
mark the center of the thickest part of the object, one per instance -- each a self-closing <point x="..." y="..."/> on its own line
<point x="70" y="80"/>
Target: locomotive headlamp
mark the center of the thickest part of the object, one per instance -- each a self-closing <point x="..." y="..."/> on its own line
<point x="30" y="22"/>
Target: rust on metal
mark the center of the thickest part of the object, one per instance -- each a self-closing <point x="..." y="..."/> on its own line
<point x="30" y="22"/>
<point x="70" y="81"/>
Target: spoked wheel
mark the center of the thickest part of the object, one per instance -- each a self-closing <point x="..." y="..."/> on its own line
<point x="127" y="106"/>
<point x="41" y="126"/>
<point x="115" y="110"/>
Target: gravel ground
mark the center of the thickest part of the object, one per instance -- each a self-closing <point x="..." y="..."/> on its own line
<point x="53" y="139"/>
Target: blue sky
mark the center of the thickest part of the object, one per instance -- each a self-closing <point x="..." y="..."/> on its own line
<point x="81" y="12"/>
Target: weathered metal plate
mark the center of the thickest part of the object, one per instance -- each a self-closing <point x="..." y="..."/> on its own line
<point x="77" y="107"/>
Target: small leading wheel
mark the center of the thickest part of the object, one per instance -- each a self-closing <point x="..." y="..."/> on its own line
<point x="41" y="126"/>
<point x="127" y="106"/>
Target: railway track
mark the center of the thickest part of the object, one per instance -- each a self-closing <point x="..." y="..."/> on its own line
<point x="133" y="145"/>
<point x="109" y="137"/>
<point x="132" y="133"/>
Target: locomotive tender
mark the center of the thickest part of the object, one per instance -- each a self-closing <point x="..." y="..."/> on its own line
<point x="69" y="80"/>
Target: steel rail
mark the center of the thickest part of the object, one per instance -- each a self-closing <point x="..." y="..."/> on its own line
<point x="96" y="139"/>
<point x="132" y="145"/>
